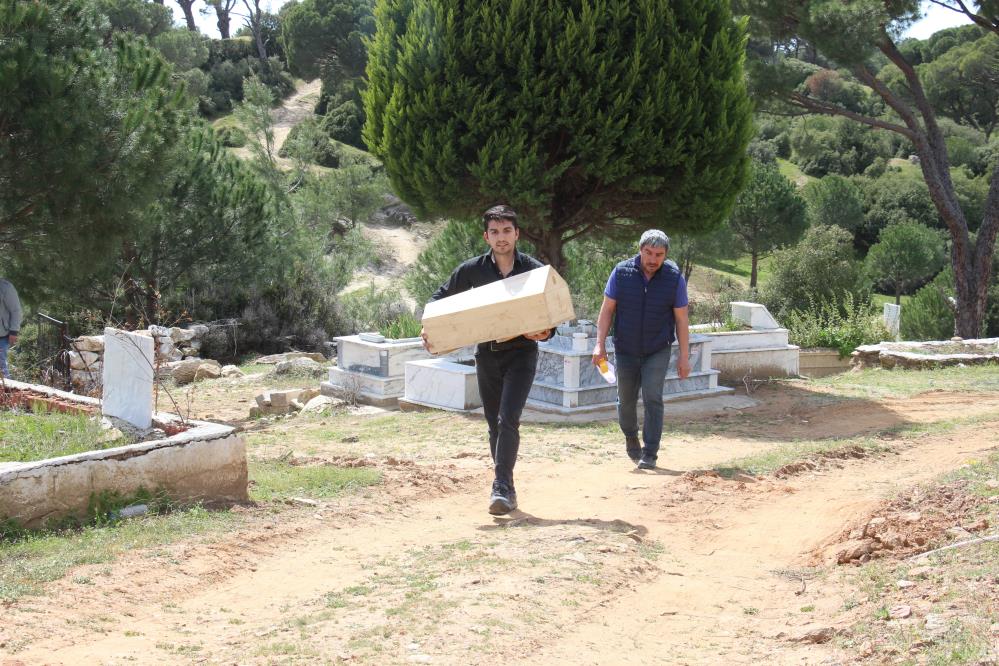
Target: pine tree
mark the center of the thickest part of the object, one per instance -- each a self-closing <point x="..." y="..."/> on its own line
<point x="584" y="115"/>
<point x="82" y="130"/>
<point x="796" y="41"/>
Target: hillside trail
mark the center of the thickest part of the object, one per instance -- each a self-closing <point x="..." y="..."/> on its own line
<point x="294" y="109"/>
<point x="602" y="565"/>
<point x="297" y="107"/>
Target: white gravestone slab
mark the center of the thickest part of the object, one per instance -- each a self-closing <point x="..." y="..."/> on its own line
<point x="753" y="315"/>
<point x="128" y="377"/>
<point x="892" y="316"/>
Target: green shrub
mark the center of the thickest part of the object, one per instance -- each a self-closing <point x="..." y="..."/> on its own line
<point x="371" y="309"/>
<point x="819" y="269"/>
<point x="928" y="314"/>
<point x="232" y="136"/>
<point x="403" y="326"/>
<point x="589" y="264"/>
<point x="842" y="326"/>
<point x="307" y="141"/>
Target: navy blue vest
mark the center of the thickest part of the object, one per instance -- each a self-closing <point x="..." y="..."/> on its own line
<point x="643" y="320"/>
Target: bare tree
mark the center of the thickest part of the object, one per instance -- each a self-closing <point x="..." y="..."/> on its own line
<point x="187" y="6"/>
<point x="255" y="22"/>
<point x="222" y="10"/>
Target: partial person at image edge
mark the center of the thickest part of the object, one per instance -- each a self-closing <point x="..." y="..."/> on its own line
<point x="10" y="322"/>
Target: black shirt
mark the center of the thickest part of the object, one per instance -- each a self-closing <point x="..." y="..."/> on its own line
<point x="482" y="270"/>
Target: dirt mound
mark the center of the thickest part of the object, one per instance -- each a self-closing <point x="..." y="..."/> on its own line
<point x="906" y="525"/>
<point x="821" y="459"/>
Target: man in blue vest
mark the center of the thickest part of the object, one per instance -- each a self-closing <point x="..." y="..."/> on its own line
<point x="646" y="297"/>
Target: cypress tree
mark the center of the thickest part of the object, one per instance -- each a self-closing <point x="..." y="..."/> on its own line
<point x="584" y="115"/>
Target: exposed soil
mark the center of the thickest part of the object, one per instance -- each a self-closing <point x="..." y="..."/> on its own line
<point x="602" y="564"/>
<point x="28" y="400"/>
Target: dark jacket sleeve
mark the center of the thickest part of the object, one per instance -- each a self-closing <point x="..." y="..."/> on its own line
<point x="457" y="283"/>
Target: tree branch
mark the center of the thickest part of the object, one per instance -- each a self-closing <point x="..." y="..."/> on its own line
<point x="933" y="133"/>
<point x="977" y="19"/>
<point x="815" y="106"/>
<point x="885" y="93"/>
<point x="985" y="243"/>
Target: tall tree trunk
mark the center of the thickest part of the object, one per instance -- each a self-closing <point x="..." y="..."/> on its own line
<point x="972" y="261"/>
<point x="753" y="270"/>
<point x="132" y="291"/>
<point x="254" y="20"/>
<point x="222" y="20"/>
<point x="550" y="247"/>
<point x="186" y="6"/>
<point x="898" y="293"/>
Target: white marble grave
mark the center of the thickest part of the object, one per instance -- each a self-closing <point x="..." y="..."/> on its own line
<point x="441" y="383"/>
<point x="754" y="315"/>
<point x="128" y="377"/>
<point x="760" y="351"/>
<point x="373" y="367"/>
<point x="566" y="382"/>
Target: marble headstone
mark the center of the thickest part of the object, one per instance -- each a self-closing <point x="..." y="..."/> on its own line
<point x="892" y="317"/>
<point x="128" y="377"/>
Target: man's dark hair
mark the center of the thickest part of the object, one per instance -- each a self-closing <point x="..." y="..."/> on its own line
<point x="499" y="213"/>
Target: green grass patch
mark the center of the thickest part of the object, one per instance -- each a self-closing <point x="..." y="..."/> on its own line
<point x="277" y="480"/>
<point x="740" y="269"/>
<point x="255" y="368"/>
<point x="875" y="382"/>
<point x="37" y="435"/>
<point x="34" y="559"/>
<point x="773" y="459"/>
<point x="881" y="299"/>
<point x="791" y="171"/>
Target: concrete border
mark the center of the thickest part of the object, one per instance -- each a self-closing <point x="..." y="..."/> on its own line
<point x="206" y="463"/>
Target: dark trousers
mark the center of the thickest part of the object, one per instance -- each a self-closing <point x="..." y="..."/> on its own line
<point x="645" y="373"/>
<point x="505" y="379"/>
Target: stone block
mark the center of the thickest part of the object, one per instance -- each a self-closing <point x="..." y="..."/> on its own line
<point x="283" y="398"/>
<point x="753" y="315"/>
<point x="179" y="335"/>
<point x="532" y="301"/>
<point x="91" y="343"/>
<point x="128" y="377"/>
<point x="441" y="383"/>
<point x="302" y="366"/>
<point x="194" y="369"/>
<point x="287" y="356"/>
<point x="84" y="360"/>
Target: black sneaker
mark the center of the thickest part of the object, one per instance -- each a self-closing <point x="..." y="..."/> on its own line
<point x="503" y="499"/>
<point x="634" y="448"/>
<point x="647" y="462"/>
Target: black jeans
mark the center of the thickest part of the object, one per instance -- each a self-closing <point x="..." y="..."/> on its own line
<point x="505" y="379"/>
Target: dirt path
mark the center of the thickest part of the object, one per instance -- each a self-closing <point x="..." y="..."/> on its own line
<point x="603" y="565"/>
<point x="293" y="110"/>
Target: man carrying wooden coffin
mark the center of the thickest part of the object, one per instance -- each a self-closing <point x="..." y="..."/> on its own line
<point x="646" y="297"/>
<point x="505" y="370"/>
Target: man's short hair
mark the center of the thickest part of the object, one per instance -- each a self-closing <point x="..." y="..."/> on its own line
<point x="499" y="213"/>
<point x="653" y="238"/>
